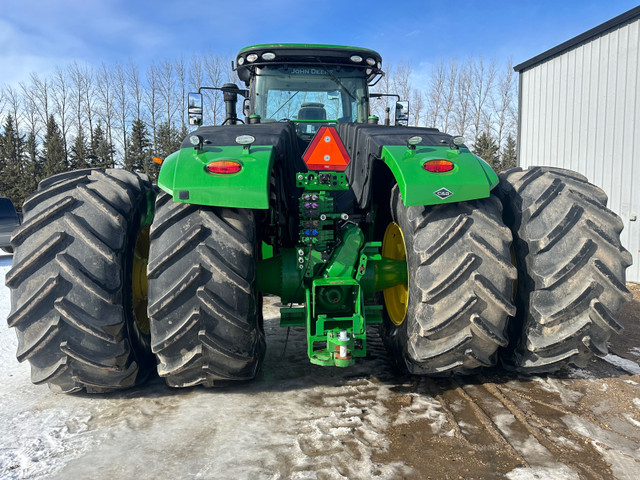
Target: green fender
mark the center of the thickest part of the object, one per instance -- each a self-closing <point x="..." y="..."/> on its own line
<point x="183" y="176"/>
<point x="470" y="178"/>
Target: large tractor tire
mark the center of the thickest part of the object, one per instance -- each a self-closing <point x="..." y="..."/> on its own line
<point x="74" y="287"/>
<point x="206" y="316"/>
<point x="571" y="264"/>
<point x="452" y="316"/>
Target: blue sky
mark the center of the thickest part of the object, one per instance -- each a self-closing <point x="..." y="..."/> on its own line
<point x="38" y="35"/>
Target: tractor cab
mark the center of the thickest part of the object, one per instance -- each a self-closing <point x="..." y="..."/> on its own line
<point x="309" y="85"/>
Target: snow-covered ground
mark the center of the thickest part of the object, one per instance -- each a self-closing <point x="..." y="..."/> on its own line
<point x="301" y="421"/>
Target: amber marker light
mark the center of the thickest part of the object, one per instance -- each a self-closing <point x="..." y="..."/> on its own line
<point x="438" y="166"/>
<point x="158" y="160"/>
<point x="223" y="167"/>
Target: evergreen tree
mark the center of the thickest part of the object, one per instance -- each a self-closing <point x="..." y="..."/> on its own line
<point x="16" y="182"/>
<point x="487" y="149"/>
<point x="4" y="163"/>
<point x="79" y="156"/>
<point x="138" y="148"/>
<point x="101" y="150"/>
<point x="510" y="154"/>
<point x="53" y="158"/>
<point x="169" y="139"/>
<point x="34" y="169"/>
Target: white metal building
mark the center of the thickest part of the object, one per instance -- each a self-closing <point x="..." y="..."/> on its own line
<point x="580" y="109"/>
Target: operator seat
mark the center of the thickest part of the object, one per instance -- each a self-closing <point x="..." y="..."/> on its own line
<point x="312" y="111"/>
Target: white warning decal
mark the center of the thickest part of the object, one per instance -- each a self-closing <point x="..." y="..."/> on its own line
<point x="443" y="193"/>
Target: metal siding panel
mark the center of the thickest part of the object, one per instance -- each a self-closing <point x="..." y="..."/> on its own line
<point x="581" y="111"/>
<point x="524" y="115"/>
<point x="574" y="140"/>
<point x="586" y="119"/>
<point x="552" y="112"/>
<point x="607" y="71"/>
<point x="631" y="140"/>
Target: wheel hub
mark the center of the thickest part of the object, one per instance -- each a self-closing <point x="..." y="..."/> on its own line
<point x="396" y="298"/>
<point x="139" y="281"/>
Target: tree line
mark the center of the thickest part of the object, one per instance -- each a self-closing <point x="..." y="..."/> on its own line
<point x="473" y="99"/>
<point x="84" y="116"/>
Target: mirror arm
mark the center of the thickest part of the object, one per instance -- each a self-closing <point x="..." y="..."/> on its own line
<point x="380" y="95"/>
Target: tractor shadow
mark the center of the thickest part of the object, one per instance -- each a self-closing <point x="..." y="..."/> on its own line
<point x="287" y="368"/>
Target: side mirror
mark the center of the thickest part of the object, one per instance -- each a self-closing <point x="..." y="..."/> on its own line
<point x="195" y="109"/>
<point x="402" y="114"/>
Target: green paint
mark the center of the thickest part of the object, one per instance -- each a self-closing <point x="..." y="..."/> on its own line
<point x="150" y="210"/>
<point x="344" y="259"/>
<point x="470" y="178"/>
<point x="184" y="171"/>
<point x="280" y="275"/>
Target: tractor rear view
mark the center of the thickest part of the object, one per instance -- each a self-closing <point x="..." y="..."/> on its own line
<point x="352" y="222"/>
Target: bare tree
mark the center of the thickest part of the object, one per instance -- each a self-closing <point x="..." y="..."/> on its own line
<point x="385" y="85"/>
<point x="105" y="106"/>
<point x="463" y="100"/>
<point x="40" y="93"/>
<point x="30" y="110"/>
<point x="166" y="89"/>
<point x="152" y="103"/>
<point x="89" y="99"/>
<point x="122" y="105"/>
<point x="77" y="92"/>
<point x="61" y="95"/>
<point x="181" y="76"/>
<point x="482" y="82"/>
<point x="401" y="82"/>
<point x="449" y="96"/>
<point x="2" y="102"/>
<point x="417" y="106"/>
<point x="136" y="90"/>
<point x="214" y="77"/>
<point x="435" y="94"/>
<point x="12" y="100"/>
<point x="196" y="74"/>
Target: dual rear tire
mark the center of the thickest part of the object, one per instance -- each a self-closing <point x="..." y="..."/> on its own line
<point x="461" y="310"/>
<point x="79" y="286"/>
<point x="72" y="283"/>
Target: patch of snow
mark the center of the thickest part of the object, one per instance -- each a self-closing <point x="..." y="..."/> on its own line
<point x="580" y="373"/>
<point x="631" y="420"/>
<point x="628" y="366"/>
<point x="503" y="421"/>
<point x="425" y="408"/>
<point x="553" y="385"/>
<point x="621" y="452"/>
<point x="543" y="473"/>
<point x="635" y="351"/>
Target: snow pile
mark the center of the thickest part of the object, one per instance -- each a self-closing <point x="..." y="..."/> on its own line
<point x="628" y="366"/>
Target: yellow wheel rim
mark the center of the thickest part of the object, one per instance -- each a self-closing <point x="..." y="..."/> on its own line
<point x="139" y="281"/>
<point x="396" y="299"/>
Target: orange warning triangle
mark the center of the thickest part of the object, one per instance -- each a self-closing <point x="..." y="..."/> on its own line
<point x="326" y="151"/>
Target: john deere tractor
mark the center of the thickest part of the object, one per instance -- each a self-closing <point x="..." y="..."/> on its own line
<point x="351" y="221"/>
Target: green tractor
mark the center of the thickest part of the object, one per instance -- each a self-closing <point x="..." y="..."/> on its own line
<point x="349" y="220"/>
